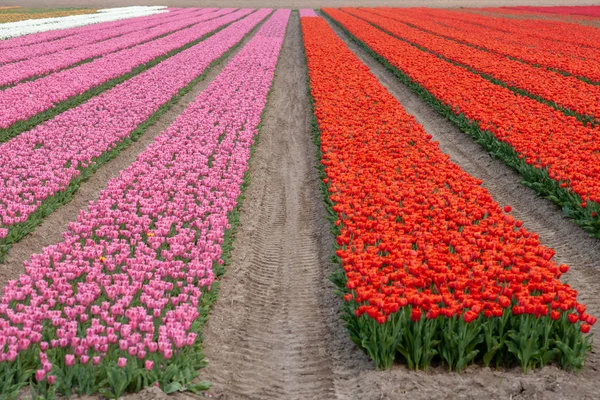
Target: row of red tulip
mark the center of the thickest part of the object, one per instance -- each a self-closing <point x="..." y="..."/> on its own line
<point x="579" y="61"/>
<point x="556" y="154"/>
<point x="565" y="91"/>
<point x="433" y="267"/>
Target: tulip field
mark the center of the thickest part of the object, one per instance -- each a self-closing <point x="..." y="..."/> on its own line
<point x="431" y="268"/>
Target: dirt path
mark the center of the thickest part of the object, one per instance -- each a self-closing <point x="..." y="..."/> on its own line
<point x="275" y="331"/>
<point x="265" y="337"/>
<point x="50" y="231"/>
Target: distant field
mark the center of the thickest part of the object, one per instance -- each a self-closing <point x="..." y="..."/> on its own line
<point x="293" y="3"/>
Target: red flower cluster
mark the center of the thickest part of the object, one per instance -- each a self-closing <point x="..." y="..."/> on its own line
<point x="569" y="10"/>
<point x="568" y="31"/>
<point x="416" y="232"/>
<point x="579" y="58"/>
<point x="543" y="137"/>
<point x="566" y="91"/>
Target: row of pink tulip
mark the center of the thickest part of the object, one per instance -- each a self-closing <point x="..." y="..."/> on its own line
<point x="42" y="162"/>
<point x="18" y="71"/>
<point x="123" y="289"/>
<point x="307" y="12"/>
<point x="49" y="36"/>
<point x="74" y="41"/>
<point x="26" y="99"/>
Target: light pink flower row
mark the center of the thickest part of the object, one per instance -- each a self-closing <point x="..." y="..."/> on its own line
<point x="74" y="41"/>
<point x="153" y="235"/>
<point x="18" y="71"/>
<point x="308" y="12"/>
<point x="49" y="36"/>
<point x="39" y="163"/>
<point x="26" y="99"/>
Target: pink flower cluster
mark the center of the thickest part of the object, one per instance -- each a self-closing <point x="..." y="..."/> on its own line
<point x="126" y="282"/>
<point x="18" y="71"/>
<point x="307" y="12"/>
<point x="49" y="36"/>
<point x="41" y="162"/>
<point x="26" y="99"/>
<point x="73" y="41"/>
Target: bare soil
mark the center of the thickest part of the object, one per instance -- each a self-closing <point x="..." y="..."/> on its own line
<point x="267" y="336"/>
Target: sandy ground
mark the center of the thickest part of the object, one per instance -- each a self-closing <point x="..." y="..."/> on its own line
<point x="291" y="3"/>
<point x="265" y="337"/>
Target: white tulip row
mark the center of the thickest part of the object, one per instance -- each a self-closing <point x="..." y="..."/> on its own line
<point x="26" y="27"/>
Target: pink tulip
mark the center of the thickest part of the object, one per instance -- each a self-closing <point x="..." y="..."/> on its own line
<point x="149" y="364"/>
<point x="39" y="375"/>
<point x="169" y="190"/>
<point x="69" y="360"/>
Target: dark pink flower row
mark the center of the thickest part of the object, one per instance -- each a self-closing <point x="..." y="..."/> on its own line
<point x="26" y="99"/>
<point x="126" y="282"/>
<point x="18" y="71"/>
<point x="73" y="41"/>
<point x="41" y="162"/>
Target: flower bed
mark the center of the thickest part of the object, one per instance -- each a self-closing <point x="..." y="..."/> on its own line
<point x="42" y="168"/>
<point x="20" y="28"/>
<point x="433" y="269"/>
<point x="555" y="154"/>
<point x="567" y="93"/>
<point x="573" y="59"/>
<point x="49" y="36"/>
<point x="26" y="100"/>
<point x="118" y="305"/>
<point x="74" y="41"/>
<point x="34" y="67"/>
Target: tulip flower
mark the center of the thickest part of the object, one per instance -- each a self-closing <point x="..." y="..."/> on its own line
<point x="47" y="165"/>
<point x="142" y="301"/>
<point x="31" y="26"/>
<point x="120" y="55"/>
<point x="416" y="234"/>
<point x="511" y="118"/>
